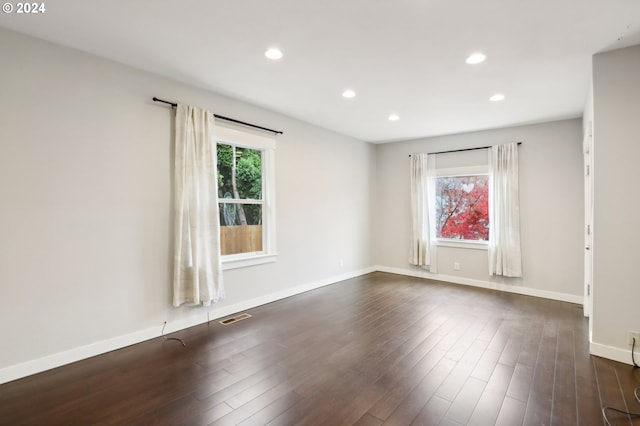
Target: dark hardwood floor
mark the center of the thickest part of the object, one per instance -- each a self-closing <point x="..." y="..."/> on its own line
<point x="381" y="349"/>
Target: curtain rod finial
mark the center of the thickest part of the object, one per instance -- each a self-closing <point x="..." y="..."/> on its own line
<point x="173" y="105"/>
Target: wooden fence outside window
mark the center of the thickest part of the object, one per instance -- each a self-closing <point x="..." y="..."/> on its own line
<point x="240" y="239"/>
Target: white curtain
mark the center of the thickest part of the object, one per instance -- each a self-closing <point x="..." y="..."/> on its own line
<point x="504" y="212"/>
<point x="422" y="250"/>
<point x="197" y="271"/>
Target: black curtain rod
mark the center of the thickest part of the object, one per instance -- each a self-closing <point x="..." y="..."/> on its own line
<point x="464" y="149"/>
<point x="222" y="117"/>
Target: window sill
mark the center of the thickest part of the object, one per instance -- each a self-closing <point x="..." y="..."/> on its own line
<point x="244" y="262"/>
<point x="473" y="245"/>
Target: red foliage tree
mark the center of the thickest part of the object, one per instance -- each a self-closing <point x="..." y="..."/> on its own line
<point x="462" y="207"/>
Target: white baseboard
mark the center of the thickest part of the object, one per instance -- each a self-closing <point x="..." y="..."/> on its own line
<point x="527" y="291"/>
<point x="611" y="352"/>
<point x="48" y="362"/>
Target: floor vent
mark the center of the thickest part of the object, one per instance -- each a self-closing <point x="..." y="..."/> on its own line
<point x="233" y="319"/>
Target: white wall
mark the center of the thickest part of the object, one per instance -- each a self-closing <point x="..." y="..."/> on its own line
<point x="551" y="190"/>
<point x="616" y="111"/>
<point x="85" y="158"/>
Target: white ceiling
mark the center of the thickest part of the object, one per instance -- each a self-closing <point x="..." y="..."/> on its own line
<point x="404" y="56"/>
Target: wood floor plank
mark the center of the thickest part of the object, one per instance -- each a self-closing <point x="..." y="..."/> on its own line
<point x="267" y="414"/>
<point x="511" y="350"/>
<point x="257" y="404"/>
<point x="210" y="415"/>
<point x="564" y="410"/>
<point x="486" y="364"/>
<point x="532" y="336"/>
<point x="587" y="393"/>
<point x="487" y="409"/>
<point x="500" y="337"/>
<point x="399" y="386"/>
<point x="432" y="413"/>
<point x="520" y="384"/>
<point x="511" y="412"/>
<point x="413" y="403"/>
<point x="490" y="328"/>
<point x="454" y="382"/>
<point x="368" y="420"/>
<point x="540" y="401"/>
<point x="211" y="385"/>
<point x="182" y="411"/>
<point x="335" y="393"/>
<point x="465" y="403"/>
<point x="488" y="406"/>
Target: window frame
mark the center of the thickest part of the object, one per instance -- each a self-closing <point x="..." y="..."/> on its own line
<point x="266" y="144"/>
<point x="462" y="172"/>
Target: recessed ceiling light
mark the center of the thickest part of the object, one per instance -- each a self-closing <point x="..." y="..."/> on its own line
<point x="349" y="93"/>
<point x="497" y="97"/>
<point x="394" y="117"/>
<point x="273" y="54"/>
<point x="476" y="58"/>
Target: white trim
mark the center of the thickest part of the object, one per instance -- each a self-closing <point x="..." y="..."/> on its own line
<point x="269" y="206"/>
<point x="463" y="244"/>
<point x="479" y="169"/>
<point x="527" y="291"/>
<point x="48" y="362"/>
<point x="242" y="262"/>
<point x="243" y="138"/>
<point x="266" y="145"/>
<point x="248" y="201"/>
<point x="610" y="352"/>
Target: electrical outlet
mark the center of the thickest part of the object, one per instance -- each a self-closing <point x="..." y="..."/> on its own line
<point x="456" y="266"/>
<point x="633" y="335"/>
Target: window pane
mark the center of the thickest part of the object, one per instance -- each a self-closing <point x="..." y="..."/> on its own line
<point x="240" y="228"/>
<point x="239" y="172"/>
<point x="233" y="214"/>
<point x="462" y="207"/>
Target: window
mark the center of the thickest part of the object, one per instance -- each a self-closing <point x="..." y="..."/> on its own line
<point x="245" y="197"/>
<point x="462" y="207"/>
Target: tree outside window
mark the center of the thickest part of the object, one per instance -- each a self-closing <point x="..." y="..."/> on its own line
<point x="462" y="207"/>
